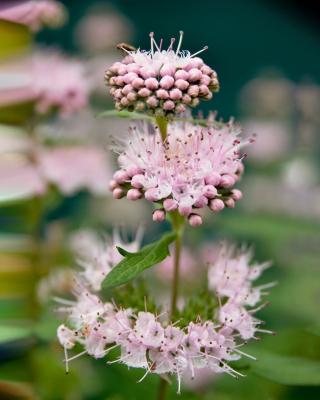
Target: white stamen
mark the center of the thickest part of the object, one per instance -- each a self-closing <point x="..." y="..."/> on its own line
<point x="200" y="51"/>
<point x="180" y="42"/>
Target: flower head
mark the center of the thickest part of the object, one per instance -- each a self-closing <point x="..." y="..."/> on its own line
<point x="195" y="167"/>
<point x="163" y="82"/>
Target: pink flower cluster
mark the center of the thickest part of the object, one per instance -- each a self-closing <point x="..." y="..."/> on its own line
<point x="163" y="82"/>
<point x="231" y="277"/>
<point x="69" y="168"/>
<point x="34" y="14"/>
<point x="159" y="346"/>
<point x="50" y="80"/>
<point x="58" y="83"/>
<point x="195" y="167"/>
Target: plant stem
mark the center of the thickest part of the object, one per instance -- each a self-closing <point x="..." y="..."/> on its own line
<point x="177" y="225"/>
<point x="162" y="123"/>
<point x="162" y="389"/>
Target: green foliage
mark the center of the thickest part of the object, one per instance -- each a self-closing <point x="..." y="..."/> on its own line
<point x="201" y="305"/>
<point x="124" y="114"/>
<point x="287" y="370"/>
<point x="15" y="38"/>
<point x="135" y="295"/>
<point x="10" y="333"/>
<point x="135" y="263"/>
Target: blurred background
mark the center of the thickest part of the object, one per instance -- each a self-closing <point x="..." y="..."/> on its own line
<point x="55" y="164"/>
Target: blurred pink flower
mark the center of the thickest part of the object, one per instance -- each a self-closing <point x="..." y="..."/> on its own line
<point x="188" y="266"/>
<point x="48" y="79"/>
<point x="75" y="168"/>
<point x="19" y="179"/>
<point x="34" y="14"/>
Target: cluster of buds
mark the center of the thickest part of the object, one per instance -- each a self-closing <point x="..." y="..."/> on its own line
<point x="161" y="82"/>
<point x="194" y="168"/>
<point x="156" y="344"/>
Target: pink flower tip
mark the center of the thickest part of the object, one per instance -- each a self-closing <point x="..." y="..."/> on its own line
<point x="159" y="215"/>
<point x="195" y="220"/>
<point x="236" y="194"/>
<point x="133" y="194"/>
<point x="118" y="193"/>
<point x="216" y="205"/>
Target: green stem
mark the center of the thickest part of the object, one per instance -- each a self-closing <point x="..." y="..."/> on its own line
<point x="177" y="225"/>
<point x="162" y="389"/>
<point x="162" y="123"/>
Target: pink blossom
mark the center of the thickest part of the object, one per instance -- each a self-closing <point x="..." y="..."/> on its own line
<point x="231" y="275"/>
<point x="160" y="74"/>
<point x="35" y="14"/>
<point x="196" y="167"/>
<point x="74" y="168"/>
<point x="50" y="81"/>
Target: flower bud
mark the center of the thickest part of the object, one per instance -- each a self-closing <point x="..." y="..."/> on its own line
<point x="168" y="105"/>
<point x="181" y="84"/>
<point x="144" y="92"/>
<point x="180" y="108"/>
<point x="137" y="181"/>
<point x="175" y="94"/>
<point x="162" y="94"/>
<point x="127" y="89"/>
<point x="201" y="202"/>
<point x="227" y="181"/>
<point x="118" y="193"/>
<point x="137" y="83"/>
<point x="152" y="101"/>
<point x="236" y="194"/>
<point x="132" y="96"/>
<point x="113" y="184"/>
<point x="210" y="191"/>
<point x="216" y="205"/>
<point x="151" y="194"/>
<point x="195" y="220"/>
<point x="182" y="74"/>
<point x="167" y="82"/>
<point x="129" y="77"/>
<point x="230" y="203"/>
<point x="134" y="194"/>
<point x="158" y="215"/>
<point x="151" y="83"/>
<point x="193" y="91"/>
<point x="195" y="75"/>
<point x="170" y="205"/>
<point x="120" y="176"/>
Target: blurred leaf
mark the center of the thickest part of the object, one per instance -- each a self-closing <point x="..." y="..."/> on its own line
<point x="134" y="263"/>
<point x="17" y="114"/>
<point x="287" y="370"/>
<point x="16" y="390"/>
<point x="14" y="38"/>
<point x="9" y="333"/>
<point x="124" y="114"/>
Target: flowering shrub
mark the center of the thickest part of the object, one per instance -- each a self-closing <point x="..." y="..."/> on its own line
<point x="182" y="167"/>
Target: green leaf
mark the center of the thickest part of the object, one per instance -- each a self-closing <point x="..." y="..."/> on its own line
<point x="15" y="38"/>
<point x="124" y="114"/>
<point x="9" y="333"/>
<point x="134" y="263"/>
<point x="287" y="370"/>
